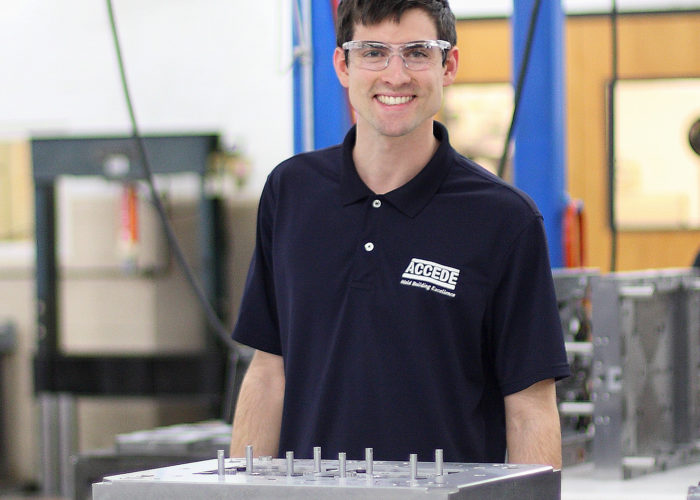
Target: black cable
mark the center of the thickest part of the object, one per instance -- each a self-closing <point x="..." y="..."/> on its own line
<point x="611" y="139"/>
<point x="522" y="72"/>
<point x="213" y="320"/>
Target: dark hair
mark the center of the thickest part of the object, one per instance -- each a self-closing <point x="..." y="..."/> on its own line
<point x="370" y="12"/>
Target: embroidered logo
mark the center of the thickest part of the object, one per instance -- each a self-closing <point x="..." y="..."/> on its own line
<point x="431" y="276"/>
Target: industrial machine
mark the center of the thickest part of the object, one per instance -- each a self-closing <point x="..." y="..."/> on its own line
<point x="180" y="361"/>
<point x="645" y="368"/>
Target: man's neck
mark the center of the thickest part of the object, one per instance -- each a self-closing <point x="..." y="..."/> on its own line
<point x="387" y="163"/>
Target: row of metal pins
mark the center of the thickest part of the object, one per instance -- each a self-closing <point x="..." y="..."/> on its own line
<point x="342" y="462"/>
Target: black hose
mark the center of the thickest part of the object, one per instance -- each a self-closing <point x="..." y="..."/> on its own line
<point x="213" y="320"/>
<point x="611" y="140"/>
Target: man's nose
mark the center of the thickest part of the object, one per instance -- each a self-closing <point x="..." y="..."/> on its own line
<point x="396" y="69"/>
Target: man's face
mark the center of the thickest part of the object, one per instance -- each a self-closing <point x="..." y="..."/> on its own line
<point x="396" y="101"/>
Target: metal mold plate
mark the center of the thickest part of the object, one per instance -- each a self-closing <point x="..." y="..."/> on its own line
<point x="390" y="480"/>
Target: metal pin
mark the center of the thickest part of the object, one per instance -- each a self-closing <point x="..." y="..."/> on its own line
<point x="222" y="465"/>
<point x="369" y="461"/>
<point x="439" y="462"/>
<point x="342" y="466"/>
<point x="290" y="463"/>
<point x="413" y="458"/>
<point x="317" y="459"/>
<point x="249" y="459"/>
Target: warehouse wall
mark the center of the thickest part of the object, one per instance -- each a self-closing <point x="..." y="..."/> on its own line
<point x="210" y="65"/>
<point x="651" y="45"/>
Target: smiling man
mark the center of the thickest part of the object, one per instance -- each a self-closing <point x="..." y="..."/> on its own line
<point x="400" y="296"/>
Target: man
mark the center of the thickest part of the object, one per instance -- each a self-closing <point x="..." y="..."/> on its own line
<point x="400" y="296"/>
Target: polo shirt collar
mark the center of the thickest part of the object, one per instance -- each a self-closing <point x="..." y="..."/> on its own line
<point x="413" y="196"/>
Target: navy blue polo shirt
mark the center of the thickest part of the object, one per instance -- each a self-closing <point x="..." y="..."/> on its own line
<point x="404" y="318"/>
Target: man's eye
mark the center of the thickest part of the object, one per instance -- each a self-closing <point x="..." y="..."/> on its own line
<point x="417" y="53"/>
<point x="373" y="53"/>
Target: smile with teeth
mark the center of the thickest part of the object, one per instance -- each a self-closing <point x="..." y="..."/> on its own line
<point x="394" y="100"/>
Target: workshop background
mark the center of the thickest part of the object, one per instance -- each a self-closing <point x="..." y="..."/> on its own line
<point x="96" y="311"/>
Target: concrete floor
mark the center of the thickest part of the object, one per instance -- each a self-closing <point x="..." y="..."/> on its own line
<point x="580" y="483"/>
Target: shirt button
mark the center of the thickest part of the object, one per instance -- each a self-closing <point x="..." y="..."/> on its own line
<point x="369" y="246"/>
<point x="377" y="203"/>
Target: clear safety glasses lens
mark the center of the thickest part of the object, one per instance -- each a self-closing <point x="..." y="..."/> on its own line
<point x="416" y="56"/>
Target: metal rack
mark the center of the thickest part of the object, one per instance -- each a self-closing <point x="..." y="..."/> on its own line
<point x="60" y="377"/>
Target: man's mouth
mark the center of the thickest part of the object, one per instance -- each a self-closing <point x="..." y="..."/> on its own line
<point x="394" y="100"/>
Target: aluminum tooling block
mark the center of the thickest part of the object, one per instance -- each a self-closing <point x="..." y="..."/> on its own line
<point x="645" y="369"/>
<point x="304" y="479"/>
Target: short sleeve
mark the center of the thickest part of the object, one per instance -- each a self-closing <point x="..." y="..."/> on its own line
<point x="526" y="334"/>
<point x="257" y="324"/>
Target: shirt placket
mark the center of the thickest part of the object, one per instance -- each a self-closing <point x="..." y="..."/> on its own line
<point x="369" y="245"/>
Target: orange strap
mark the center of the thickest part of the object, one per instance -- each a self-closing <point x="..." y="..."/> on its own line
<point x="573" y="234"/>
<point x="129" y="214"/>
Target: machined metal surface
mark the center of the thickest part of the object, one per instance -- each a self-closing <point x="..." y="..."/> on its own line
<point x="573" y="288"/>
<point x="645" y="371"/>
<point x="276" y="478"/>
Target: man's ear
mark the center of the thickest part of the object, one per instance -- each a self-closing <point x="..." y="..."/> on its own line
<point x="341" y="67"/>
<point x="450" y="68"/>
